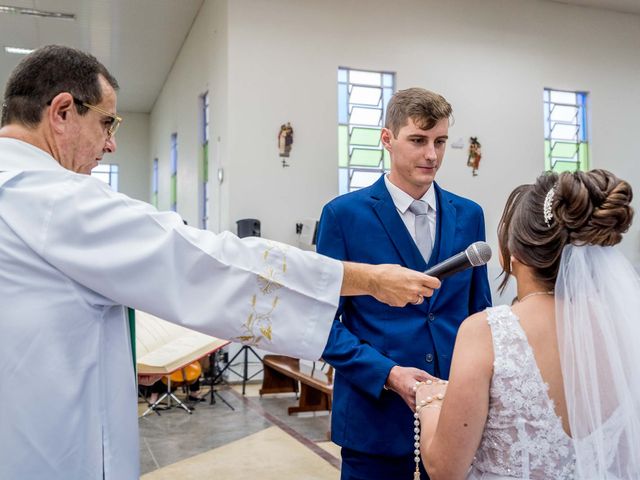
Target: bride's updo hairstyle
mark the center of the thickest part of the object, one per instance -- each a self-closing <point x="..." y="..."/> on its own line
<point x="580" y="208"/>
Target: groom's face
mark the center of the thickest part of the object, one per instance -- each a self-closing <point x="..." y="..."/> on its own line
<point x="416" y="155"/>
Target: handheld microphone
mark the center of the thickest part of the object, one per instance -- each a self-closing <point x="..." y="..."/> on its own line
<point x="476" y="254"/>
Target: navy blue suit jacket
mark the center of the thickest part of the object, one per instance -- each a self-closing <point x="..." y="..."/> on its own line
<point x="364" y="226"/>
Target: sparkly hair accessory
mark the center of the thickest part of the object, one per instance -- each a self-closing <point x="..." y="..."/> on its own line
<point x="546" y="208"/>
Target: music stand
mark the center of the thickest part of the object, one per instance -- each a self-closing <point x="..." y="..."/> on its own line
<point x="215" y="373"/>
<point x="245" y="349"/>
<point x="168" y="395"/>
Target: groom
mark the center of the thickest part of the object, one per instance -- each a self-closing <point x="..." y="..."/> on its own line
<point x="379" y="352"/>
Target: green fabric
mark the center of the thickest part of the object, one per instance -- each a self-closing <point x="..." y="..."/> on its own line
<point x="132" y="330"/>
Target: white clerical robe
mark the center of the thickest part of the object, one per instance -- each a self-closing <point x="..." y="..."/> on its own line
<point x="72" y="253"/>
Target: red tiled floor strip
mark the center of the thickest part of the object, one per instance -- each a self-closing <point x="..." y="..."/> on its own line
<point x="310" y="444"/>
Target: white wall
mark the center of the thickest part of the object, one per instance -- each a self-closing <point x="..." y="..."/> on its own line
<point x="132" y="155"/>
<point x="200" y="67"/>
<point x="268" y="62"/>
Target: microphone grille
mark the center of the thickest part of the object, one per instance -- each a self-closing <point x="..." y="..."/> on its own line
<point x="478" y="253"/>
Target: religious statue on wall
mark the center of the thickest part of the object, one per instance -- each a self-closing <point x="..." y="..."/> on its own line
<point x="475" y="154"/>
<point x="285" y="141"/>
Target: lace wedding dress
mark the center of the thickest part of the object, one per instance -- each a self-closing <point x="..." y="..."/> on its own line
<point x="523" y="436"/>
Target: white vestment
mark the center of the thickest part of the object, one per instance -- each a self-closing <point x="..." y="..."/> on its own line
<point x="72" y="253"/>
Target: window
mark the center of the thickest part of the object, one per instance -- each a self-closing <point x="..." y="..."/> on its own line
<point x="566" y="143"/>
<point x="108" y="173"/>
<point x="204" y="199"/>
<point x="174" y="173"/>
<point x="154" y="183"/>
<point x="362" y="101"/>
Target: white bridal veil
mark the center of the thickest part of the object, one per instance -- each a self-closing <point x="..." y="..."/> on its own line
<point x="598" y="319"/>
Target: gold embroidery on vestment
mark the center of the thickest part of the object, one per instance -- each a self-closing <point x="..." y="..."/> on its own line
<point x="258" y="325"/>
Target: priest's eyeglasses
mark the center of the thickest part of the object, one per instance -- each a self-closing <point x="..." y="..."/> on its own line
<point x="112" y="126"/>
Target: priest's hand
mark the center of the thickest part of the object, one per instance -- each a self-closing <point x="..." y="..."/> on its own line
<point x="391" y="284"/>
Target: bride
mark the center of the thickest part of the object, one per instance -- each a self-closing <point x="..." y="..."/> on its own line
<point x="548" y="388"/>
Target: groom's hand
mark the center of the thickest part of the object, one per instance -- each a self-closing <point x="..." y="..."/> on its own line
<point x="402" y="380"/>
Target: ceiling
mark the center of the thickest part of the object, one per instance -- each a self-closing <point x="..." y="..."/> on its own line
<point x="137" y="40"/>
<point x="625" y="6"/>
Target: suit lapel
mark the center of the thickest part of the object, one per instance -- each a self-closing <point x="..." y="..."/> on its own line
<point x="397" y="232"/>
<point x="445" y="230"/>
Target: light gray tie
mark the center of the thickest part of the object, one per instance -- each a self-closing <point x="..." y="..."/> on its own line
<point x="423" y="231"/>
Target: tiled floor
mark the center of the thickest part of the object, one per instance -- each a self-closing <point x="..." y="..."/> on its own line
<point x="257" y="440"/>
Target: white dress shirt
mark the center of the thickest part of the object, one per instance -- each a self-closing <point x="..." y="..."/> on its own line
<point x="72" y="253"/>
<point x="402" y="200"/>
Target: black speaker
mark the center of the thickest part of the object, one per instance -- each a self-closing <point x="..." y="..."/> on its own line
<point x="248" y="227"/>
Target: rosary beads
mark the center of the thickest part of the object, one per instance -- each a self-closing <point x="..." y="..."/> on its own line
<point x="428" y="402"/>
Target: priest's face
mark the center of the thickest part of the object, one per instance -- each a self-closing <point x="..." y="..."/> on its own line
<point x="88" y="138"/>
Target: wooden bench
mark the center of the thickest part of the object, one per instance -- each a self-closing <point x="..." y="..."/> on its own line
<point x="283" y="374"/>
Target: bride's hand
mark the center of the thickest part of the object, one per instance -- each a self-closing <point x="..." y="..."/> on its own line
<point x="402" y="380"/>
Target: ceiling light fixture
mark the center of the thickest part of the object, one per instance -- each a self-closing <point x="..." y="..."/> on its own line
<point x="37" y="13"/>
<point x="18" y="50"/>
